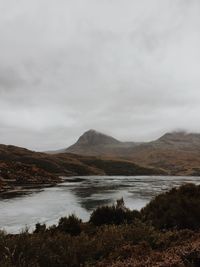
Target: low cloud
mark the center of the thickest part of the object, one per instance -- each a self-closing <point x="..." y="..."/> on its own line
<point x="130" y="69"/>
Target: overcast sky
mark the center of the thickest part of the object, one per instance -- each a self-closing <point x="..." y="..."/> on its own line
<point x="129" y="68"/>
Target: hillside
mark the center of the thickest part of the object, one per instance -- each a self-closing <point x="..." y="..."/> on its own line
<point x="19" y="167"/>
<point x="177" y="152"/>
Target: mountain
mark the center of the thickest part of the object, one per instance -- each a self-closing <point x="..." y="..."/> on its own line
<point x="176" y="152"/>
<point x="98" y="144"/>
<point x="94" y="138"/>
<point x="181" y="140"/>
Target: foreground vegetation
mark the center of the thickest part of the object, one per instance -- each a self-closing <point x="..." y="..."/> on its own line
<point x="165" y="233"/>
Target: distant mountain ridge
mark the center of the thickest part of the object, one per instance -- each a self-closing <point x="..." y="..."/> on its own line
<point x="177" y="152"/>
<point x="95" y="143"/>
<point x="93" y="138"/>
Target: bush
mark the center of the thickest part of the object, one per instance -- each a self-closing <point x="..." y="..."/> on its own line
<point x="39" y="228"/>
<point x="116" y="214"/>
<point x="70" y="225"/>
<point x="178" y="208"/>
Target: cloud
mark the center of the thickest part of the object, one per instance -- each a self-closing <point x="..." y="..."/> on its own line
<point x="129" y="68"/>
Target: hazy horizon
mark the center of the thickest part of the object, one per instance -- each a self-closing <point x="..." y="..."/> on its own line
<point x="129" y="69"/>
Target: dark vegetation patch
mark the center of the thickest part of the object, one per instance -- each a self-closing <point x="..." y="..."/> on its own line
<point x="115" y="214"/>
<point x="117" y="167"/>
<point x="178" y="208"/>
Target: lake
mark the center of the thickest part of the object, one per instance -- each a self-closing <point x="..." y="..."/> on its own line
<point x="80" y="195"/>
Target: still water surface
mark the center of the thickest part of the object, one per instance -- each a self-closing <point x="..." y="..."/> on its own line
<point x="80" y="195"/>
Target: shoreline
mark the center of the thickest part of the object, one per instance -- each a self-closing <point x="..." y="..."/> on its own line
<point x="24" y="189"/>
<point x="12" y="189"/>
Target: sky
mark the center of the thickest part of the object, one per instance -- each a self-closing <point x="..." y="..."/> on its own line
<point x="127" y="68"/>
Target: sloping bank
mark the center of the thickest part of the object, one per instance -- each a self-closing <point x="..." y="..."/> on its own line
<point x="20" y="167"/>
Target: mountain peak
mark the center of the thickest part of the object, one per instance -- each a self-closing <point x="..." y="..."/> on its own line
<point x="181" y="137"/>
<point x="93" y="137"/>
<point x="91" y="131"/>
<point x="172" y="135"/>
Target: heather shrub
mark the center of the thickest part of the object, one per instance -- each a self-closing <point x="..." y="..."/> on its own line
<point x="115" y="214"/>
<point x="178" y="208"/>
<point x="40" y="228"/>
<point x="70" y="225"/>
<point x="60" y="249"/>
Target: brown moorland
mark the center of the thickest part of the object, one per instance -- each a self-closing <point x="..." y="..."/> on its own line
<point x="20" y="166"/>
